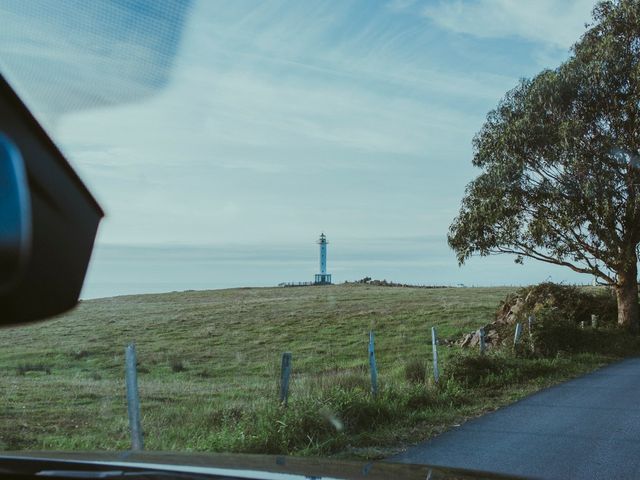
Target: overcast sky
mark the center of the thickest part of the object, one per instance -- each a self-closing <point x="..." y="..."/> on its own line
<point x="278" y="120"/>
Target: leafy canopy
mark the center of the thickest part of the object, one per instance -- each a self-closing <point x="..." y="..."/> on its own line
<point x="560" y="159"/>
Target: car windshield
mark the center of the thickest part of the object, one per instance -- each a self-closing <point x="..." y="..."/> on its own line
<point x="300" y="227"/>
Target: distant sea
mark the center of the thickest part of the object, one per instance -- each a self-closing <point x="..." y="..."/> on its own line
<point x="134" y="269"/>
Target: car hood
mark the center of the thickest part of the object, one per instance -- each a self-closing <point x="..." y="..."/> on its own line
<point x="249" y="466"/>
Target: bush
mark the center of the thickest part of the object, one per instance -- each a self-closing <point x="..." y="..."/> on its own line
<point x="559" y="311"/>
<point x="571" y="303"/>
<point x="554" y="333"/>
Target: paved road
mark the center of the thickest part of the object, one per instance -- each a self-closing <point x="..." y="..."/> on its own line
<point x="585" y="428"/>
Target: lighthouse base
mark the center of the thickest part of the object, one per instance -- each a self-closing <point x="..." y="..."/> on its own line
<point x="322" y="279"/>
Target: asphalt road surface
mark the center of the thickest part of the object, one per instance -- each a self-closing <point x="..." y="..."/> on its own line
<point x="585" y="428"/>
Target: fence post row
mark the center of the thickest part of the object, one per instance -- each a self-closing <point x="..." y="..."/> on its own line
<point x="133" y="400"/>
<point x="285" y="373"/>
<point x="434" y="346"/>
<point x="372" y="365"/>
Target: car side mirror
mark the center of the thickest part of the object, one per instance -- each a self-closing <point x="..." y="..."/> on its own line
<point x="15" y="214"/>
<point x="48" y="219"/>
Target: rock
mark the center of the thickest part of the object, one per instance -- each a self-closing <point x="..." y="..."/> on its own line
<point x="515" y="310"/>
<point x="491" y="336"/>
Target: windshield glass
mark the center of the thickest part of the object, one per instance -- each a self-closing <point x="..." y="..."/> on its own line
<point x="278" y="177"/>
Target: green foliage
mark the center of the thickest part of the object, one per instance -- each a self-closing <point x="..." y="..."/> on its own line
<point x="560" y="312"/>
<point x="559" y="158"/>
<point x="574" y="304"/>
<point x="555" y="333"/>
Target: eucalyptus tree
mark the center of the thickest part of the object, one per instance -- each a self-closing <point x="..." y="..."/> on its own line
<point x="560" y="164"/>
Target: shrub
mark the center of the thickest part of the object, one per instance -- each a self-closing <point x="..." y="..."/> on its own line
<point x="554" y="333"/>
<point x="571" y="303"/>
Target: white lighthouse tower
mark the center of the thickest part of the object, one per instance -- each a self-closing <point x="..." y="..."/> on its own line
<point x="323" y="278"/>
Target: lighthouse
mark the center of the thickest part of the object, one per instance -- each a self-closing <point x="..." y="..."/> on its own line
<point x="323" y="278"/>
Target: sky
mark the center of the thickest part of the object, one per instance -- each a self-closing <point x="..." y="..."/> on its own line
<point x="221" y="138"/>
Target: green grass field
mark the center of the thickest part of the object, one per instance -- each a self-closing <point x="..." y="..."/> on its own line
<point x="209" y="367"/>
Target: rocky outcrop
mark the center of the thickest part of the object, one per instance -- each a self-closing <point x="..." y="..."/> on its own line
<point x="491" y="337"/>
<point x="507" y="315"/>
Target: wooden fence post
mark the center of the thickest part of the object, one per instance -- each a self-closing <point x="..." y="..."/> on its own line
<point x="133" y="400"/>
<point x="285" y="373"/>
<point x="372" y="365"/>
<point x="483" y="346"/>
<point x="434" y="346"/>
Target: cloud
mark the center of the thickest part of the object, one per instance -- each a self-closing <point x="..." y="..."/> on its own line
<point x="252" y="119"/>
<point x="552" y="23"/>
<point x="280" y="119"/>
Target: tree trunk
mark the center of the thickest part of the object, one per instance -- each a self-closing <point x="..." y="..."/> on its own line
<point x="627" y="297"/>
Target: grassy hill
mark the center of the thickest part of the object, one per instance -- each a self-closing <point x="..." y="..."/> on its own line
<point x="209" y="367"/>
